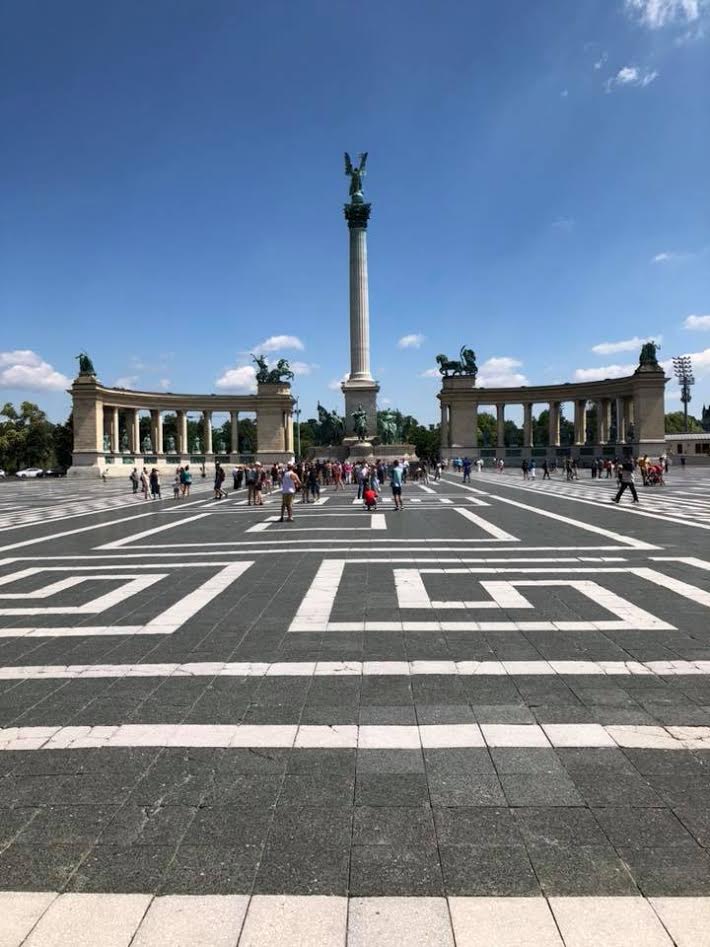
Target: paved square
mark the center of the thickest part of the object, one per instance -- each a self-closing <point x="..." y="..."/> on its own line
<point x="482" y="720"/>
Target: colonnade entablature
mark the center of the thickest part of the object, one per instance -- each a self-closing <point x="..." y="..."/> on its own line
<point x="107" y="426"/>
<point x="630" y="416"/>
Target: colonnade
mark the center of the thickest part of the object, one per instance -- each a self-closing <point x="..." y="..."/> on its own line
<point x="629" y="415"/>
<point x="107" y="423"/>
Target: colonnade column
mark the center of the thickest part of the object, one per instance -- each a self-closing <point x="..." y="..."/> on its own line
<point x="602" y="420"/>
<point x="156" y="430"/>
<point x="234" y="416"/>
<point x="444" y="428"/>
<point x="115" y="436"/>
<point x="580" y="411"/>
<point x="620" y="421"/>
<point x="527" y="424"/>
<point x="181" y="424"/>
<point x="500" y="418"/>
<point x="135" y="440"/>
<point x="554" y="424"/>
<point x="207" y="427"/>
<point x="474" y="430"/>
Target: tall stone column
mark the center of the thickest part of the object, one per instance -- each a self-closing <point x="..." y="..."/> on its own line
<point x="602" y="421"/>
<point x="156" y="429"/>
<point x="136" y="431"/>
<point x="554" y="424"/>
<point x="234" y="430"/>
<point x="207" y="428"/>
<point x="444" y="428"/>
<point x="360" y="387"/>
<point x="527" y="425"/>
<point x="115" y="436"/>
<point x="181" y="424"/>
<point x="620" y="421"/>
<point x="500" y="420"/>
<point x="580" y="408"/>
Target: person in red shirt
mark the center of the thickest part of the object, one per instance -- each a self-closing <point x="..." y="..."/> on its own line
<point x="370" y="498"/>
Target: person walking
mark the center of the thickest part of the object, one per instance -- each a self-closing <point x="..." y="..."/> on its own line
<point x="145" y="485"/>
<point x="154" y="484"/>
<point x="289" y="484"/>
<point x="466" y="470"/>
<point x="532" y="469"/>
<point x="626" y="482"/>
<point x="135" y="480"/>
<point x="186" y="480"/>
<point x="545" y="470"/>
<point x="396" y="479"/>
<point x="219" y="493"/>
<point x="525" y="467"/>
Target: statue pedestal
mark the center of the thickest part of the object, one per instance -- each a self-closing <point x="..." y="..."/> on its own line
<point x="359" y="450"/>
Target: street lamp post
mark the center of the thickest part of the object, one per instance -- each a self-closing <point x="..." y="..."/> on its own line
<point x="683" y="371"/>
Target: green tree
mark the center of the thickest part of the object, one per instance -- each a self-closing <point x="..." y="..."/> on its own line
<point x="25" y="437"/>
<point x="487" y="429"/>
<point x="63" y="442"/>
<point x="247" y="436"/>
<point x="675" y="423"/>
<point x="425" y="441"/>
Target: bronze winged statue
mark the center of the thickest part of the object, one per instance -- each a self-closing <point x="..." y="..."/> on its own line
<point x="356" y="174"/>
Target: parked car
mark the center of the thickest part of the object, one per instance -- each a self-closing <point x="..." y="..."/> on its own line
<point x="56" y="472"/>
<point x="30" y="472"/>
<point x="2" y="474"/>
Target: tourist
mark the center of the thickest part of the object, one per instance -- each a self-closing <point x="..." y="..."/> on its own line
<point x="546" y="469"/>
<point x="186" y="480"/>
<point x="289" y="484"/>
<point x="626" y="482"/>
<point x="361" y="477"/>
<point x="236" y="478"/>
<point x="466" y="470"/>
<point x="396" y="479"/>
<point x="313" y="483"/>
<point x="176" y="487"/>
<point x="532" y="469"/>
<point x="135" y="480"/>
<point x="154" y="484"/>
<point x="525" y="467"/>
<point x="259" y="480"/>
<point x="219" y="493"/>
<point x="145" y="485"/>
<point x="369" y="497"/>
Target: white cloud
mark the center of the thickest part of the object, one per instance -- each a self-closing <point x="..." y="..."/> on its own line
<point x="658" y="13"/>
<point x="604" y="371"/>
<point x="600" y="62"/>
<point x="385" y="401"/>
<point x="626" y="345"/>
<point x="242" y="379"/>
<point x="564" y="93"/>
<point x="664" y="257"/>
<point x="413" y="341"/>
<point x="697" y="322"/>
<point x="430" y="373"/>
<point x="164" y="383"/>
<point x="631" y="76"/>
<point x="24" y="368"/>
<point x="276" y="343"/>
<point x="302" y="368"/>
<point x="126" y="381"/>
<point x="335" y="383"/>
<point x="565" y="224"/>
<point x="500" y="372"/>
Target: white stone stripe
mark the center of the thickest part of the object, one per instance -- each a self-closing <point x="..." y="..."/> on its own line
<point x="495" y="531"/>
<point x="353" y="736"/>
<point x="136" y="537"/>
<point x="358" y="669"/>
<point x="166" y="623"/>
<point x="49" y="919"/>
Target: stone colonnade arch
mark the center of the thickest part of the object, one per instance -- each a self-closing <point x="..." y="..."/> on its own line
<point x="635" y="424"/>
<point x="107" y="427"/>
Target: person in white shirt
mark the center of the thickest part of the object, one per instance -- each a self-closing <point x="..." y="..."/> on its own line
<point x="289" y="484"/>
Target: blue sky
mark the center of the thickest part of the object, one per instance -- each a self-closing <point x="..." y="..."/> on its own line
<point x="172" y="184"/>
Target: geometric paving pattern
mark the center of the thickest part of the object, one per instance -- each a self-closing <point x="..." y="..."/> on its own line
<point x="482" y="720"/>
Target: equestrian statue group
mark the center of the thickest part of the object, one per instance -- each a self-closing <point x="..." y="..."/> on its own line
<point x="465" y="364"/>
<point x="275" y="376"/>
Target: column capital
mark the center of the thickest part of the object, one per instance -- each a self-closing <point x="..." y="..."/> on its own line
<point x="357" y="215"/>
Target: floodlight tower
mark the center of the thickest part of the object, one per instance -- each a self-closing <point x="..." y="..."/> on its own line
<point x="683" y="371"/>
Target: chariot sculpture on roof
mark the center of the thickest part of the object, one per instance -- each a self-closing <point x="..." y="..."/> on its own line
<point x="464" y="365"/>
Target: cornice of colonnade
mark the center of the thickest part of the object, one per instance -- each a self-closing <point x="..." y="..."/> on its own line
<point x="88" y="387"/>
<point x="461" y="390"/>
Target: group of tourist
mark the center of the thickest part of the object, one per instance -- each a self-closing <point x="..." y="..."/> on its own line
<point x="147" y="483"/>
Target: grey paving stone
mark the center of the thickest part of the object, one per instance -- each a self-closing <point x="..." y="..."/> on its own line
<point x="472" y="871"/>
<point x="540" y="789"/>
<point x="478" y="826"/>
<point x="406" y="827"/>
<point x="455" y="760"/>
<point x="390" y="761"/>
<point x="667" y="872"/>
<point x="581" y="871"/>
<point x="39" y="868"/>
<point x="513" y="759"/>
<point x="305" y="872"/>
<point x="391" y="789"/>
<point x="391" y="870"/>
<point x="120" y="868"/>
<point x="566" y="828"/>
<point x="316" y="789"/>
<point x="643" y="828"/>
<point x="209" y="869"/>
<point x="465" y="789"/>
